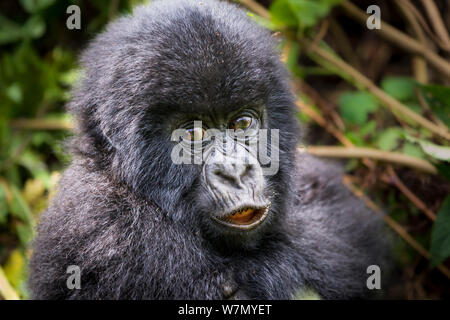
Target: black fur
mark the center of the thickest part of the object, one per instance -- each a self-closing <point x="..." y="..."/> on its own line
<point x="131" y="219"/>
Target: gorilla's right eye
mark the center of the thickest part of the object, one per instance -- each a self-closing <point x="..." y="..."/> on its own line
<point x="241" y="123"/>
<point x="195" y="134"/>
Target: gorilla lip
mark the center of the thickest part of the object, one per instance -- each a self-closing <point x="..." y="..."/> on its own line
<point x="244" y="218"/>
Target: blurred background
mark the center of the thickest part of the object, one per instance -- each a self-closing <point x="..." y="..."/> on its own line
<point x="373" y="88"/>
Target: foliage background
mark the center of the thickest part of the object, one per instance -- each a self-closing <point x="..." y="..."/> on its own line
<point x="339" y="107"/>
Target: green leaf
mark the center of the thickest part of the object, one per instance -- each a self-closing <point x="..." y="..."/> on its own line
<point x="9" y="30"/>
<point x="34" y="163"/>
<point x="355" y="138"/>
<point x="292" y="59"/>
<point x="414" y="107"/>
<point x="308" y="12"/>
<point x="436" y="151"/>
<point x="400" y="88"/>
<point x="306" y="294"/>
<point x="413" y="150"/>
<point x="6" y="290"/>
<point x="34" y="27"/>
<point x="443" y="169"/>
<point x="19" y="208"/>
<point x="368" y="129"/>
<point x="389" y="139"/>
<point x="440" y="235"/>
<point x="3" y="205"/>
<point x="282" y="14"/>
<point x="14" y="266"/>
<point x="433" y="150"/>
<point x="438" y="98"/>
<point x="263" y="22"/>
<point x="14" y="92"/>
<point x="356" y="106"/>
<point x="33" y="6"/>
<point x="25" y="232"/>
<point x="304" y="13"/>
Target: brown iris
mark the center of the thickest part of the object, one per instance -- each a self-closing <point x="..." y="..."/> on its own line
<point x="194" y="134"/>
<point x="241" y="123"/>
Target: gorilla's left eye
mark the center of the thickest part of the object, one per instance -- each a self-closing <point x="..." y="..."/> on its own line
<point x="194" y="134"/>
<point x="242" y="123"/>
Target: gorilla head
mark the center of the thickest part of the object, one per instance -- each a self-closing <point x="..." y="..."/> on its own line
<point x="173" y="63"/>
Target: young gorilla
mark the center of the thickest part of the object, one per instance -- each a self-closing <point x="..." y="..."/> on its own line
<point x="141" y="227"/>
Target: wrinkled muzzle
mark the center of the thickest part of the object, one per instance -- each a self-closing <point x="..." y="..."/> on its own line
<point x="235" y="182"/>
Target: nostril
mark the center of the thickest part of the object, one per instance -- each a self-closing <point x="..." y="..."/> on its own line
<point x="227" y="178"/>
<point x="247" y="170"/>
<point x="223" y="175"/>
<point x="233" y="174"/>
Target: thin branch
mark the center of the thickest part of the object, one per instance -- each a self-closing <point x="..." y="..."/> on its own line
<point x="113" y="8"/>
<point x="436" y="22"/>
<point x="389" y="177"/>
<point x="427" y="109"/>
<point x="419" y="63"/>
<point x="318" y="118"/>
<point x="375" y="154"/>
<point x="43" y="108"/>
<point x="41" y="124"/>
<point x="326" y="107"/>
<point x="256" y="7"/>
<point x="321" y="33"/>
<point x="394" y="105"/>
<point x="398" y="38"/>
<point x="393" y="224"/>
<point x="342" y="42"/>
<point x="392" y="178"/>
<point x="424" y="24"/>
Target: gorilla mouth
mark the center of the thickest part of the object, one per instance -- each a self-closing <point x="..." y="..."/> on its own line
<point x="244" y="218"/>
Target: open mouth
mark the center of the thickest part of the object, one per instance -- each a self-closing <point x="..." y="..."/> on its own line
<point x="244" y="218"/>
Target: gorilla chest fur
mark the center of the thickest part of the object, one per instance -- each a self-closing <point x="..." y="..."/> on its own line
<point x="185" y="264"/>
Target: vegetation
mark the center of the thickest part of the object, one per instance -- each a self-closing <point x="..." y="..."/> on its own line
<point x="379" y="98"/>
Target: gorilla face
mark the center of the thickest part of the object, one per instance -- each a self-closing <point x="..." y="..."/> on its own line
<point x="146" y="78"/>
<point x="231" y="192"/>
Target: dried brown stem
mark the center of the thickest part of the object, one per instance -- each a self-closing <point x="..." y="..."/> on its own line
<point x="393" y="178"/>
<point x="302" y="86"/>
<point x="419" y="63"/>
<point x="388" y="177"/>
<point x="310" y="112"/>
<point x="41" y="124"/>
<point x="343" y="44"/>
<point x="375" y="154"/>
<point x="427" y="109"/>
<point x="392" y="223"/>
<point x="400" y="39"/>
<point x="394" y="105"/>
<point x="424" y="24"/>
<point x="436" y="22"/>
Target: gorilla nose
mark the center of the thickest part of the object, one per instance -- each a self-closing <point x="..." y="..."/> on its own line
<point x="233" y="174"/>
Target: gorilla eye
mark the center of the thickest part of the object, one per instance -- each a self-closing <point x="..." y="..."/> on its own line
<point x="194" y="134"/>
<point x="241" y="123"/>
